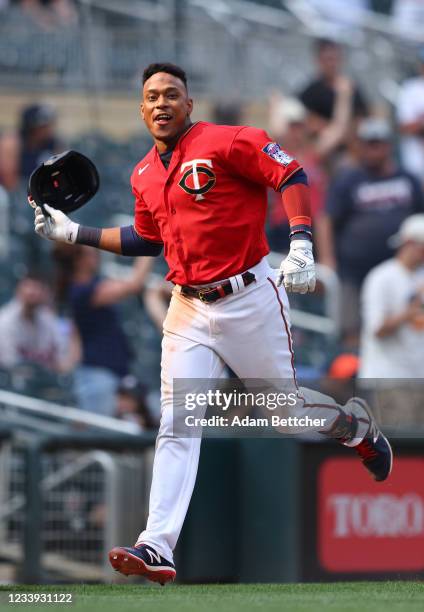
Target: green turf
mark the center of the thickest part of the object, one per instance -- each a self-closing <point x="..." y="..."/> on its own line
<point x="340" y="597"/>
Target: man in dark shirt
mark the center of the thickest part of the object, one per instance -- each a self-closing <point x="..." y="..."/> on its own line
<point x="319" y="96"/>
<point x="365" y="206"/>
<point x="104" y="344"/>
<point x="92" y="300"/>
<point x="39" y="140"/>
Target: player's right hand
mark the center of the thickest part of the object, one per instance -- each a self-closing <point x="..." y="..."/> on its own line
<point x="56" y="226"/>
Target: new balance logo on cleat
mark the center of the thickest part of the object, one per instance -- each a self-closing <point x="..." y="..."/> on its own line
<point x="142" y="560"/>
<point x="154" y="556"/>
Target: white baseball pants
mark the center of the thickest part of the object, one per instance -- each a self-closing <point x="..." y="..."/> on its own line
<point x="250" y="332"/>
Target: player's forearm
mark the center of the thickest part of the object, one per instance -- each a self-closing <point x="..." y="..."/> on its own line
<point x="108" y="239"/>
<point x="296" y="202"/>
<point x="119" y="240"/>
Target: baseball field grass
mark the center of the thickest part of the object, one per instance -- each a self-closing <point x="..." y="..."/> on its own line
<point x="335" y="597"/>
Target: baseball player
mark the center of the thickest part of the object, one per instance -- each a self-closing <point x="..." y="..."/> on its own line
<point x="201" y="195"/>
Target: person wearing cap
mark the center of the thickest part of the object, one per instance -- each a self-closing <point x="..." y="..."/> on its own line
<point x="32" y="144"/>
<point x="410" y="115"/>
<point x="365" y="205"/>
<point x="132" y="403"/>
<point x="38" y="137"/>
<point x="392" y="338"/>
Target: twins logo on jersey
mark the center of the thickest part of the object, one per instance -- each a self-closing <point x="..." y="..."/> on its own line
<point x="198" y="178"/>
<point x="276" y="152"/>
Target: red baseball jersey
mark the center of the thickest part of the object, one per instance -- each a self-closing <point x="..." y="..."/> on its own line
<point x="209" y="206"/>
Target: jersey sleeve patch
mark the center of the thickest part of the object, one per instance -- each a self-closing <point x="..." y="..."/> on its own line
<point x="273" y="150"/>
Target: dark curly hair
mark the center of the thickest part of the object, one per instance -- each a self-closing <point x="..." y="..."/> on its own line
<point x="165" y="67"/>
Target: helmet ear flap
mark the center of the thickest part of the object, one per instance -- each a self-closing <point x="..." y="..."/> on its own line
<point x="66" y="182"/>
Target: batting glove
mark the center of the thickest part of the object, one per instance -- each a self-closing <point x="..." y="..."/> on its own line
<point x="57" y="226"/>
<point x="297" y="270"/>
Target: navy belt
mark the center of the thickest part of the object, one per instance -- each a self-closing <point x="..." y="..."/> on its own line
<point x="211" y="294"/>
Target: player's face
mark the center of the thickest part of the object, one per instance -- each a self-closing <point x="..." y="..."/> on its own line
<point x="166" y="107"/>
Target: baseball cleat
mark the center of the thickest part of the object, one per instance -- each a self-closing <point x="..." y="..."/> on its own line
<point x="374" y="450"/>
<point x="142" y="560"/>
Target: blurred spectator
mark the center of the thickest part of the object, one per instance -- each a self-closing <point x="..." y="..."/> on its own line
<point x="156" y="298"/>
<point x="30" y="331"/>
<point x="344" y="366"/>
<point x="340" y="379"/>
<point x="49" y="14"/>
<point x="9" y="166"/>
<point x="408" y="16"/>
<point x="5" y="229"/>
<point x="319" y="96"/>
<point x="227" y="113"/>
<point x="38" y="137"/>
<point x="36" y="141"/>
<point x="131" y="404"/>
<point x="365" y="206"/>
<point x="392" y="339"/>
<point x="63" y="12"/>
<point x="410" y="114"/>
<point x="289" y="125"/>
<point x="106" y="353"/>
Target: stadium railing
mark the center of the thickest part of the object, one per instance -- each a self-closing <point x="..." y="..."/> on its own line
<point x="271" y="44"/>
<point x="24" y="411"/>
<point x="72" y="485"/>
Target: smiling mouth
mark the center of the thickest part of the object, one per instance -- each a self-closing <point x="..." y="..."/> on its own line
<point x="163" y="119"/>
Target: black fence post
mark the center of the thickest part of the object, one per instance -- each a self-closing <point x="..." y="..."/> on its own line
<point x="31" y="571"/>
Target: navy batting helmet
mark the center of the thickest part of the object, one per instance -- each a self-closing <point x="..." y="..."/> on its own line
<point x="66" y="181"/>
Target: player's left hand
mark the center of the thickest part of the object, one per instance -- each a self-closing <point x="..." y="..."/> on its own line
<point x="55" y="225"/>
<point x="297" y="270"/>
